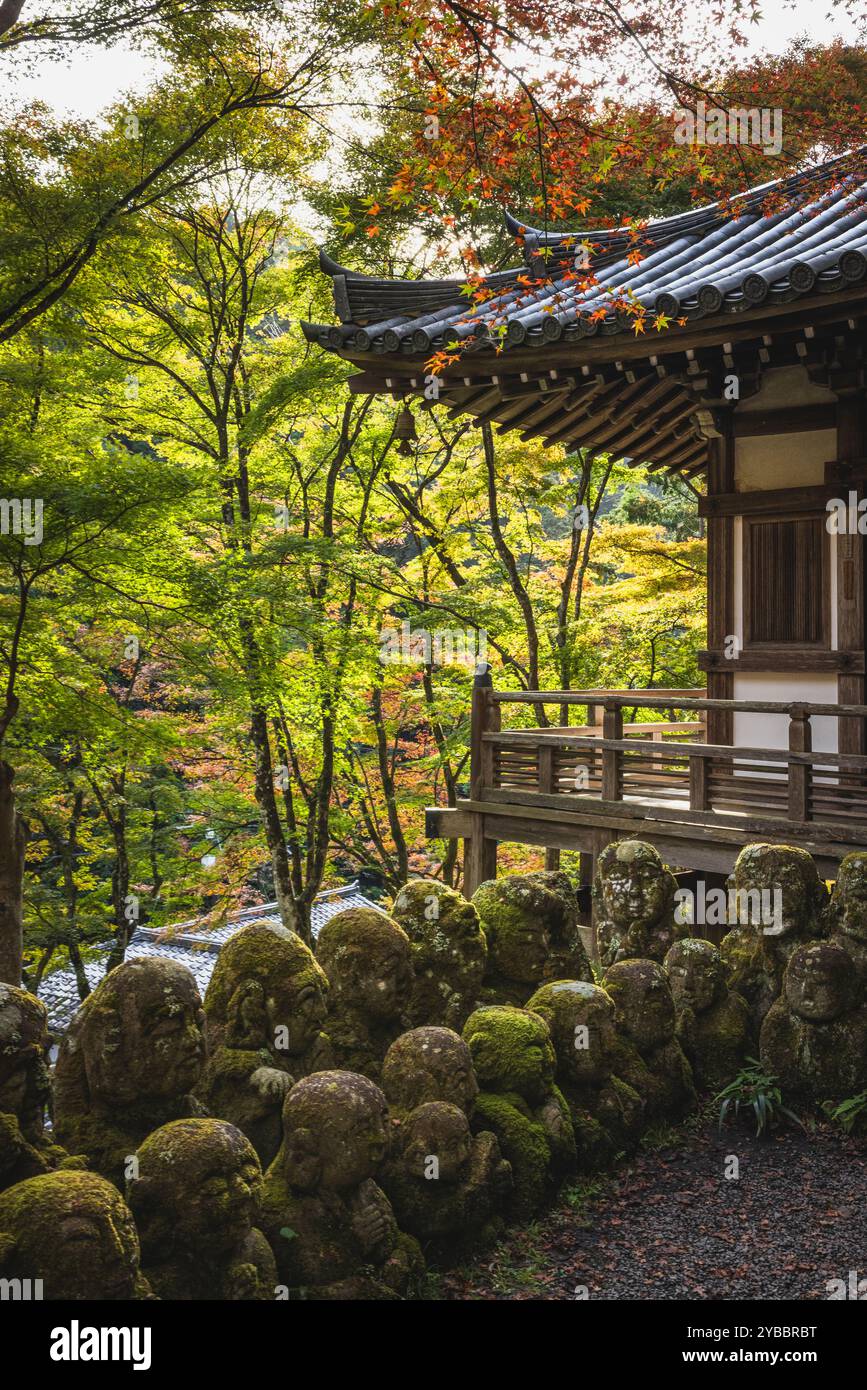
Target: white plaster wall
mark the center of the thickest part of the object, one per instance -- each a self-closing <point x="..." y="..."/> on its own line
<point x="754" y="730"/>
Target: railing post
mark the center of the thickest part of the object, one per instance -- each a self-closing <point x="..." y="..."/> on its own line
<point x="480" y="853"/>
<point x="698" y="787"/>
<point x="612" y="758"/>
<point x="480" y="723"/>
<point x="800" y="774"/>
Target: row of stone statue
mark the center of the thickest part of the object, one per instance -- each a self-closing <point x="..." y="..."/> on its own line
<point x="373" y="1134"/>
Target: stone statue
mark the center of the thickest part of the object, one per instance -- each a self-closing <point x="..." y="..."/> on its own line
<point x="848" y="911"/>
<point x="25" y="1089"/>
<point x="777" y="902"/>
<point x="75" y="1233"/>
<point x="195" y="1201"/>
<point x="449" y="952"/>
<point x="634" y="900"/>
<point x="531" y="925"/>
<point x="513" y="1058"/>
<point x="129" y="1062"/>
<point x="368" y="962"/>
<point x="264" y="1010"/>
<point x="331" y="1227"/>
<point x="607" y="1114"/>
<point x="446" y="1184"/>
<point x="713" y="1022"/>
<point x="429" y="1064"/>
<point x="814" y="1037"/>
<point x="645" y="1017"/>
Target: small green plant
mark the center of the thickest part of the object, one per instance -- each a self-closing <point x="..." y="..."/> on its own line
<point x="848" y="1112"/>
<point x="755" y="1089"/>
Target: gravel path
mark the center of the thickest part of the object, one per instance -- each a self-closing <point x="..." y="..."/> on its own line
<point x="670" y="1225"/>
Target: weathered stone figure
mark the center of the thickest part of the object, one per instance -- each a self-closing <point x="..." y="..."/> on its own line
<point x="129" y="1062"/>
<point x="645" y="1017"/>
<point x="607" y="1114"/>
<point x="449" y="952"/>
<point x="195" y="1201"/>
<point x="513" y="1058"/>
<point x="531" y="925"/>
<point x="367" y="959"/>
<point x="713" y="1022"/>
<point x="634" y="897"/>
<point x="848" y="911"/>
<point x="331" y="1227"/>
<point x="264" y="1008"/>
<point x="444" y="1183"/>
<point x="814" y="1037"/>
<point x="74" y="1232"/>
<point x="25" y="1088"/>
<point x="428" y="1064"/>
<point x="779" y="903"/>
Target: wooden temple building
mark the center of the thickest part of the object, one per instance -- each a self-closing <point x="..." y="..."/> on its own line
<point x="759" y="386"/>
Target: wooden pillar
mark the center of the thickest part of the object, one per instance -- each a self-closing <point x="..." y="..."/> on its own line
<point x="720" y="579"/>
<point x="851" y="447"/>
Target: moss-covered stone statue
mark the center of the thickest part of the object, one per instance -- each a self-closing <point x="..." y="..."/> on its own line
<point x="446" y="1185"/>
<point x="195" y="1201"/>
<point x="265" y="1008"/>
<point x="607" y="1114"/>
<point x="513" y="1058"/>
<point x="847" y="914"/>
<point x="25" y="1088"/>
<point x="430" y="1070"/>
<point x="449" y="952"/>
<point x="129" y="1063"/>
<point x="814" y="1037"/>
<point x="367" y="959"/>
<point x="777" y="902"/>
<point x="713" y="1022"/>
<point x="75" y="1233"/>
<point x="645" y="1017"/>
<point x="633" y="893"/>
<point x="531" y="925"/>
<point x="428" y="1064"/>
<point x="331" y="1227"/>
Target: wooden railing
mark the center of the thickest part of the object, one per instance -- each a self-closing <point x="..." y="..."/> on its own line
<point x="617" y="762"/>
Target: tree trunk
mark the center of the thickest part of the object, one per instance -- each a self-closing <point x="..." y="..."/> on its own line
<point x="12" y="839"/>
<point x="290" y="915"/>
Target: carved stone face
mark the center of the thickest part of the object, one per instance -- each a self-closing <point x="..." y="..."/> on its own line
<point x="448" y="946"/>
<point x="634" y="883"/>
<point x="511" y="1051"/>
<point x="141" y="1033"/>
<point x="335" y="1131"/>
<point x="518" y="915"/>
<point x="819" y="982"/>
<point x="784" y="885"/>
<point x="850" y="896"/>
<point x="198" y="1186"/>
<point x="74" y="1231"/>
<point x="266" y="991"/>
<point x="429" y="1064"/>
<point x="368" y="962"/>
<point x="581" y="1019"/>
<point x="644" y="1007"/>
<point x="24" y="1079"/>
<point x="437" y="1131"/>
<point x="695" y="973"/>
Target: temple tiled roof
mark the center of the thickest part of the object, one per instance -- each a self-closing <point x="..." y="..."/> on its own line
<point x="718" y="259"/>
<point x="191" y="944"/>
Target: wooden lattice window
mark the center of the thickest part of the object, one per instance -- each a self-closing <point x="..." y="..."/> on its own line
<point x="786" y="596"/>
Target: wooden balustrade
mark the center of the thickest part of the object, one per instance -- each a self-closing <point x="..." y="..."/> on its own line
<point x="608" y="764"/>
